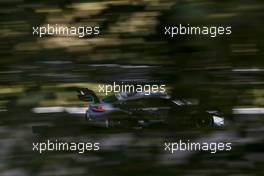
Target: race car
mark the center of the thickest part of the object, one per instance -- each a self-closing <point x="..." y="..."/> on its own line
<point x="140" y="109"/>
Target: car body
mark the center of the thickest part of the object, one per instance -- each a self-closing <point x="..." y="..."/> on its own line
<point x="140" y="109"/>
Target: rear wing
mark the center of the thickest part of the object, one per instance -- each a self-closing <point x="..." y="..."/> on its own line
<point x="87" y="95"/>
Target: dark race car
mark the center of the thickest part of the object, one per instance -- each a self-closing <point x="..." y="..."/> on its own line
<point x="142" y="110"/>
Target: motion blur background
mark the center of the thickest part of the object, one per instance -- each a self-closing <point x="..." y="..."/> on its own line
<point x="223" y="73"/>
